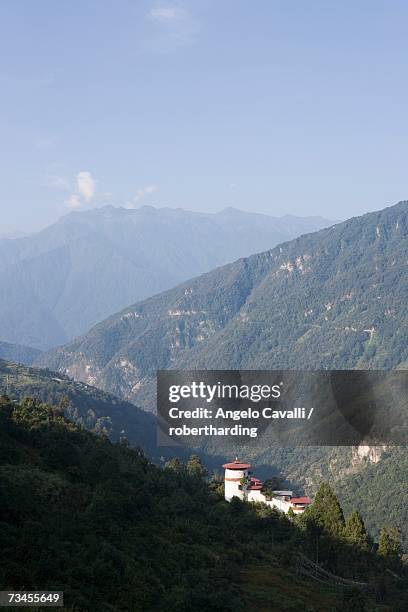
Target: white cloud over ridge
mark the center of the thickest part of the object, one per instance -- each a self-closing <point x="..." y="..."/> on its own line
<point x="86" y="185"/>
<point x="84" y="192"/>
<point x="141" y="193"/>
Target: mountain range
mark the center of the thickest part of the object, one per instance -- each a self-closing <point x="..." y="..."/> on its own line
<point x="332" y="299"/>
<point x="18" y="353"/>
<point x="59" y="282"/>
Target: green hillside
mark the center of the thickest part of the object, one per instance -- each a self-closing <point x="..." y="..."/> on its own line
<point x="333" y="299"/>
<point x="60" y="281"/>
<point x="100" y="522"/>
<point x="87" y="406"/>
<point x="380" y="491"/>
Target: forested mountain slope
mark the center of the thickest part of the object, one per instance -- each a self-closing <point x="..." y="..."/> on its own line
<point x="59" y="282"/>
<point x="333" y="299"/>
<point x="98" y="521"/>
<point x="87" y="406"/>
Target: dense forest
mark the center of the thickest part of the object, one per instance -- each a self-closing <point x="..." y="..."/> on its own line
<point x="380" y="491"/>
<point x="99" y="521"/>
<point x="87" y="406"/>
<point x="361" y="488"/>
<point x="333" y="299"/>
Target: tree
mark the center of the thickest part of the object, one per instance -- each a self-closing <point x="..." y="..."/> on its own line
<point x="389" y="546"/>
<point x="355" y="532"/>
<point x="216" y="484"/>
<point x="326" y="512"/>
<point x="175" y="464"/>
<point x="64" y="403"/>
<point x="353" y="601"/>
<point x="195" y="467"/>
<point x="272" y="484"/>
<point x="6" y="409"/>
<point x="291" y="514"/>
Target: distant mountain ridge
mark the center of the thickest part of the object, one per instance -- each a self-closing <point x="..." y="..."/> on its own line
<point x="59" y="282"/>
<point x="333" y="299"/>
<point x="18" y="353"/>
<point x="11" y="234"/>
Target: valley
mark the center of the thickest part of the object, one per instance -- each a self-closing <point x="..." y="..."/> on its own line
<point x="90" y="264"/>
<point x="307" y="303"/>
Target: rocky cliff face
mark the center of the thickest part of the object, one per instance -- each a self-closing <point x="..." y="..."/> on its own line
<point x="366" y="454"/>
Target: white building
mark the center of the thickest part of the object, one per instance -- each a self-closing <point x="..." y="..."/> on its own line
<point x="240" y="483"/>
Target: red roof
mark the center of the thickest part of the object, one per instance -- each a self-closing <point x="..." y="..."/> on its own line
<point x="255" y="487"/>
<point x="236" y="465"/>
<point x="301" y="500"/>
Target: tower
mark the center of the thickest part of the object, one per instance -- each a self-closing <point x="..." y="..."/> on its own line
<point x="236" y="479"/>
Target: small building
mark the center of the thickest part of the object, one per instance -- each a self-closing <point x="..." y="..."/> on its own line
<point x="299" y="504"/>
<point x="236" y="476"/>
<point x="239" y="482"/>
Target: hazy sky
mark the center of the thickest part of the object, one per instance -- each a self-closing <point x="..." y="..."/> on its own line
<point x="271" y="106"/>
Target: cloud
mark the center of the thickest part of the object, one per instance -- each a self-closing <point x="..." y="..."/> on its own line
<point x="173" y="27"/>
<point x="84" y="191"/>
<point x="145" y="191"/>
<point x="74" y="201"/>
<point x="141" y="194"/>
<point x="168" y="14"/>
<point x="86" y="185"/>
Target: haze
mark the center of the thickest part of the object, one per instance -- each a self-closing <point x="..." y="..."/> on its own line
<point x="270" y="107"/>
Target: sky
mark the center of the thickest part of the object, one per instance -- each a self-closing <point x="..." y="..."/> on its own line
<point x="269" y="106"/>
